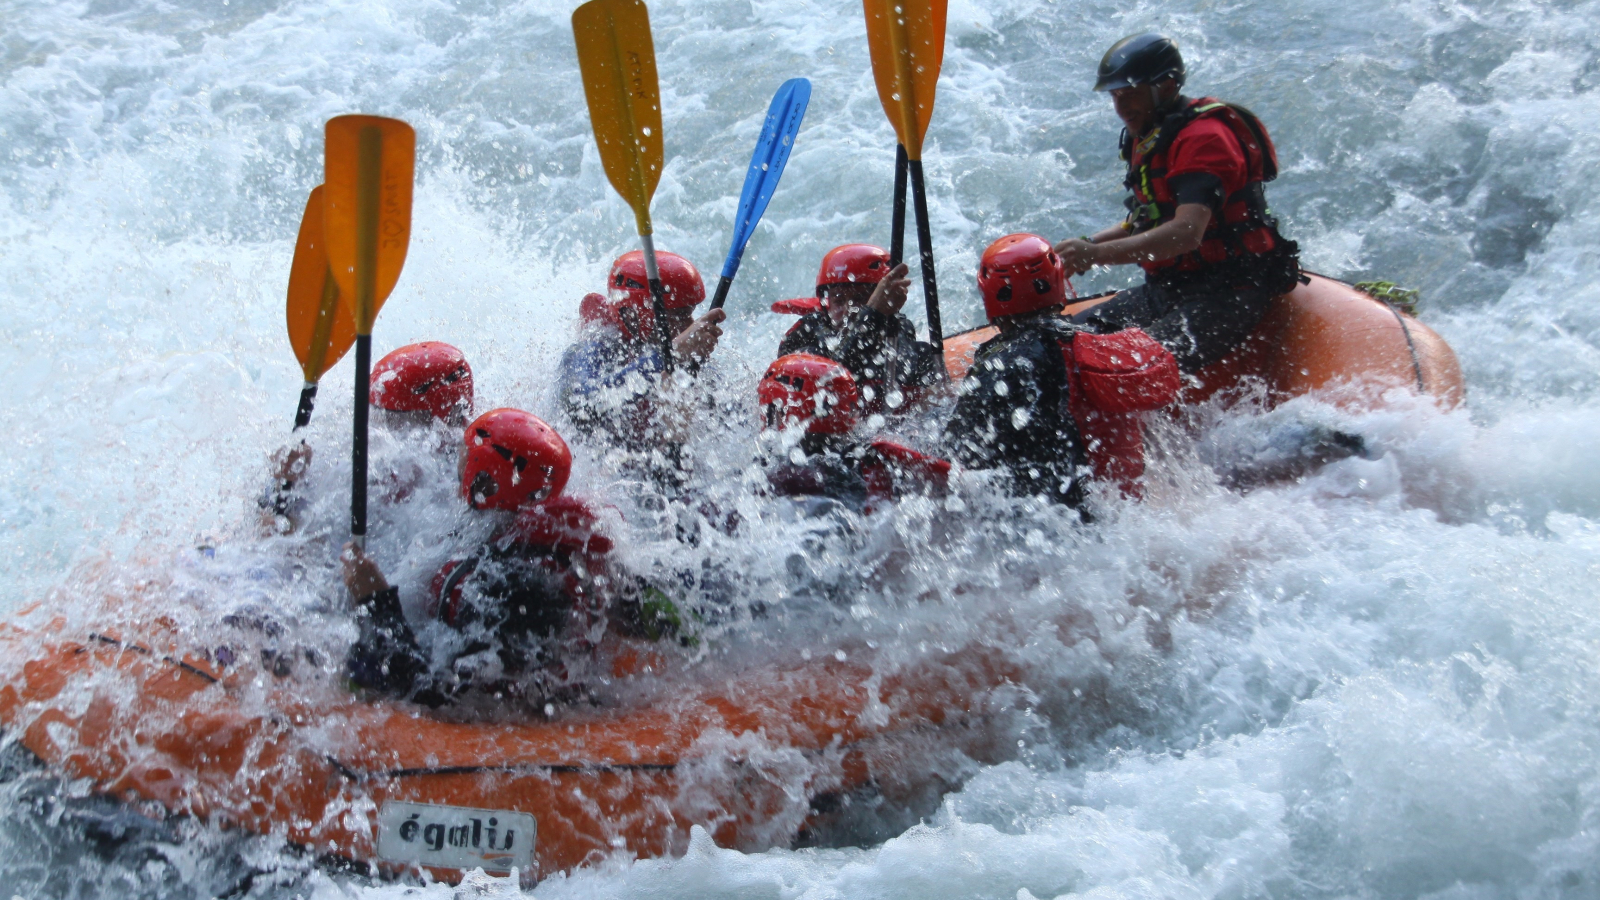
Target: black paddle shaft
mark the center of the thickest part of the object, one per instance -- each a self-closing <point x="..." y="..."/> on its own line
<point x="308" y="399"/>
<point x="897" y="225"/>
<point x="930" y="286"/>
<point x="358" y="446"/>
<point x="658" y="295"/>
<point x="721" y="296"/>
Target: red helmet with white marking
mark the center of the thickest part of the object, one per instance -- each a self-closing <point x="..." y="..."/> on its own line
<point x="1020" y="274"/>
<point x="628" y="287"/>
<point x="814" y="391"/>
<point x="513" y="458"/>
<point x="852" y="264"/>
<point x="431" y="376"/>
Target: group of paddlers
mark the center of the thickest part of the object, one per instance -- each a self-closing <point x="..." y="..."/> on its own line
<point x="1052" y="402"/>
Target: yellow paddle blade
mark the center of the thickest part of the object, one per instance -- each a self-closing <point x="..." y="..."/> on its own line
<point x="320" y="327"/>
<point x="618" y="61"/>
<point x="906" y="38"/>
<point x="370" y="163"/>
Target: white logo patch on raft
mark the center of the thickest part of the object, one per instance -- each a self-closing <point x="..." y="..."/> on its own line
<point x="455" y="837"/>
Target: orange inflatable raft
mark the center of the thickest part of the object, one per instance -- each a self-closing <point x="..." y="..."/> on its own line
<point x="393" y="785"/>
<point x="1323" y="336"/>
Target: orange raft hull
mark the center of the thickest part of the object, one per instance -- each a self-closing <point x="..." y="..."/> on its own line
<point x="143" y="723"/>
<point x="140" y="720"/>
<point x="1325" y="336"/>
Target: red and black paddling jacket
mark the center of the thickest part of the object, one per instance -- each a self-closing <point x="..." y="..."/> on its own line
<point x="1241" y="242"/>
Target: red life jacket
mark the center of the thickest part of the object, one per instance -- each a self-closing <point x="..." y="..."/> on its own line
<point x="1111" y="379"/>
<point x="1245" y="230"/>
<point x="891" y="469"/>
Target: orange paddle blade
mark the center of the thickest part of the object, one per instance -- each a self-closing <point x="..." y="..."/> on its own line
<point x="370" y="165"/>
<point x="618" y="60"/>
<point x="320" y="326"/>
<point x="906" y="38"/>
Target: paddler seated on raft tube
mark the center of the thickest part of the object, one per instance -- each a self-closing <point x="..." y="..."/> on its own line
<point x="1198" y="221"/>
<point x="855" y="320"/>
<point x="1045" y="400"/>
<point x="809" y="431"/>
<point x="611" y="383"/>
<point x="538" y="594"/>
<point x="412" y="390"/>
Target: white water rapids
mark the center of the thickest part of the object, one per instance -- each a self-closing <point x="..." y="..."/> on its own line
<point x="1379" y="682"/>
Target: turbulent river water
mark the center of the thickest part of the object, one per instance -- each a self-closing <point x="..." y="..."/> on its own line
<point x="1379" y="681"/>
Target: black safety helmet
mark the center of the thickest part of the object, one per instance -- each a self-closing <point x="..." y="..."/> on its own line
<point x="1139" y="59"/>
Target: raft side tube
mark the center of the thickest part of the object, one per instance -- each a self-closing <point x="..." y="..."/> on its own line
<point x="1324" y="336"/>
<point x="317" y="770"/>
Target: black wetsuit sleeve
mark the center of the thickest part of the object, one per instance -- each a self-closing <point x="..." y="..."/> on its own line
<point x="805" y="337"/>
<point x="528" y="595"/>
<point x="1197" y="187"/>
<point x="877" y="347"/>
<point x="925" y="365"/>
<point x="386" y="657"/>
<point x="820" y="476"/>
<point x="1009" y="416"/>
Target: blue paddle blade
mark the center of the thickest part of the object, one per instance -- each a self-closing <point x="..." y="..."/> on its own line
<point x="766" y="164"/>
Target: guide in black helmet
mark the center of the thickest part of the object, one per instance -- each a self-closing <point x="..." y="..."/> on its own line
<point x="1197" y="218"/>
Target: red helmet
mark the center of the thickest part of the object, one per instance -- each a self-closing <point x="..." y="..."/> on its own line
<point x="512" y="458"/>
<point x="430" y="376"/>
<point x="853" y="264"/>
<point x="1020" y="273"/>
<point x="814" y="390"/>
<point x="629" y="286"/>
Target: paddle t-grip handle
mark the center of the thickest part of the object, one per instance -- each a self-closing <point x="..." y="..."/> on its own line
<point x="897" y="225"/>
<point x="358" y="445"/>
<point x="308" y="399"/>
<point x="930" y="285"/>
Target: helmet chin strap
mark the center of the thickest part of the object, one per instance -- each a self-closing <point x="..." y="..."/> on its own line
<point x="1163" y="107"/>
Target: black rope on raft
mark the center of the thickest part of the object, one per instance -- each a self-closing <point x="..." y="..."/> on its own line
<point x="562" y="768"/>
<point x="1416" y="362"/>
<point x="123" y="645"/>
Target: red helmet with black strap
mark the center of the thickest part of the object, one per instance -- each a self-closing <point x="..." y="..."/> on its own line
<point x="852" y="264"/>
<point x="1021" y="274"/>
<point x="628" y="286"/>
<point x="513" y="458"/>
<point x="814" y="391"/>
<point x="431" y="376"/>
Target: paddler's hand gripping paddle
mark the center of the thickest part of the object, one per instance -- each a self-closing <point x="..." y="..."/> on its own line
<point x="906" y="39"/>
<point x="766" y="167"/>
<point x="320" y="326"/>
<point x="618" y="61"/>
<point x="366" y="217"/>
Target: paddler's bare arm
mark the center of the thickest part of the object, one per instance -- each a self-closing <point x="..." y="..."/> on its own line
<point x="698" y="340"/>
<point x="1175" y="238"/>
<point x="890" y="294"/>
<point x="362" y="577"/>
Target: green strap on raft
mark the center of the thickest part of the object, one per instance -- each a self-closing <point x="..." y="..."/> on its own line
<point x="660" y="616"/>
<point x="1403" y="299"/>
